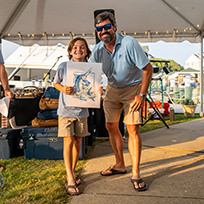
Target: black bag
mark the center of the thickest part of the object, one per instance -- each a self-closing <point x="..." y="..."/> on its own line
<point x="24" y="109"/>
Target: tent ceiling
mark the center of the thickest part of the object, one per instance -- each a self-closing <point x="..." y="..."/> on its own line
<point x="26" y="21"/>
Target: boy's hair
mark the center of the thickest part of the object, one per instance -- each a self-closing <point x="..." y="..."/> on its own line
<point x="71" y="45"/>
<point x="103" y="16"/>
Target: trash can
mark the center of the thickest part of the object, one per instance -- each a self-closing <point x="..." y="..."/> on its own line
<point x="182" y="95"/>
<point x="176" y="94"/>
<point x="101" y="130"/>
<point x="188" y="93"/>
<point x="91" y="127"/>
<point x="11" y="144"/>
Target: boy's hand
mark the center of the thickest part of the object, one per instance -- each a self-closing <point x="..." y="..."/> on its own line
<point x="100" y="90"/>
<point x="68" y="89"/>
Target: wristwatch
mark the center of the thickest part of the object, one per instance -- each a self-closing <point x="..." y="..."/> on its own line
<point x="143" y="95"/>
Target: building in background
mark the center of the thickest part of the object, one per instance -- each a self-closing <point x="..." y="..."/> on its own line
<point x="193" y="62"/>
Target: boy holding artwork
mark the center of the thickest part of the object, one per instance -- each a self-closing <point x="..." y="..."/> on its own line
<point x="72" y="121"/>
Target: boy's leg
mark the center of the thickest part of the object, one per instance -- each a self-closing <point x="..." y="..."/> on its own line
<point x="75" y="153"/>
<point x="81" y="130"/>
<point x="68" y="160"/>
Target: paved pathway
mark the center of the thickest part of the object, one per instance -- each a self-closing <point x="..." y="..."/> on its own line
<point x="172" y="165"/>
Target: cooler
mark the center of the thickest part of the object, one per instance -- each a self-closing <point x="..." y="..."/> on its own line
<point x="43" y="143"/>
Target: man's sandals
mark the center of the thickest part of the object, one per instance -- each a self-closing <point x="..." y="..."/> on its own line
<point x="68" y="187"/>
<point x="138" y="182"/>
<point x="111" y="171"/>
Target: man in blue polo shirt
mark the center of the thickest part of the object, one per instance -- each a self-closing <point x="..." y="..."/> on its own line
<point x="129" y="74"/>
<point x="4" y="77"/>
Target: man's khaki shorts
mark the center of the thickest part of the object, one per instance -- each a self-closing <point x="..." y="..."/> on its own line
<point x="118" y="99"/>
<point x="72" y="127"/>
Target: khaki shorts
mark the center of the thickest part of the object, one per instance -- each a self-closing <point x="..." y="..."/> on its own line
<point x="118" y="99"/>
<point x="72" y="127"/>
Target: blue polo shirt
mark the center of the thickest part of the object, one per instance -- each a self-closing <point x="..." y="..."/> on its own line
<point x="63" y="110"/>
<point x="1" y="56"/>
<point x="124" y="66"/>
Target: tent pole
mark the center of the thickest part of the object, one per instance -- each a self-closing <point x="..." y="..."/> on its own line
<point x="14" y="15"/>
<point x="182" y="16"/>
<point x="201" y="77"/>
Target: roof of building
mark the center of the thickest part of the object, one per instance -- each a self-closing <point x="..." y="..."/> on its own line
<point x="189" y="70"/>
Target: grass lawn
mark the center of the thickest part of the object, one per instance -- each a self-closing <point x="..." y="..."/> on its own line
<point x="154" y="124"/>
<point x="42" y="181"/>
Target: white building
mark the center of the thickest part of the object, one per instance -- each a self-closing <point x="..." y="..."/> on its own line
<point x="193" y="62"/>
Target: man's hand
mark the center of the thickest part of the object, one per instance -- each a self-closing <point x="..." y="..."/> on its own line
<point x="137" y="103"/>
<point x="68" y="89"/>
<point x="9" y="94"/>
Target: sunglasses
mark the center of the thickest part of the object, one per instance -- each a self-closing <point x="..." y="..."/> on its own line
<point x="106" y="27"/>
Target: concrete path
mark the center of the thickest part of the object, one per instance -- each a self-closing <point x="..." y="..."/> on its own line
<point x="172" y="165"/>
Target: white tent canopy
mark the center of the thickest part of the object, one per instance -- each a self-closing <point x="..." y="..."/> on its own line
<point x="50" y="22"/>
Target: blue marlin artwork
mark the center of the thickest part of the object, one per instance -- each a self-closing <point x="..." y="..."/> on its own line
<point x="82" y="87"/>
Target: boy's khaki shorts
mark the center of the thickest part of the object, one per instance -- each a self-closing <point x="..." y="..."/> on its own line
<point x="72" y="127"/>
<point x="118" y="99"/>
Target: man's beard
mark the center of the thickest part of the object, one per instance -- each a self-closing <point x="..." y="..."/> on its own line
<point x="107" y="39"/>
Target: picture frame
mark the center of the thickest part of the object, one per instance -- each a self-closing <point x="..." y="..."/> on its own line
<point x="86" y="80"/>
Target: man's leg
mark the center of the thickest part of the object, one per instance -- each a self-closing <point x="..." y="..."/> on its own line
<point x="116" y="142"/>
<point x="135" y="145"/>
<point x="112" y="109"/>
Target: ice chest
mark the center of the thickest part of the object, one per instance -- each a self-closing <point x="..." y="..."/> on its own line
<point x="43" y="143"/>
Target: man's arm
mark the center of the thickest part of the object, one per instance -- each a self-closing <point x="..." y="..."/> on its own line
<point x="146" y="79"/>
<point x="4" y="81"/>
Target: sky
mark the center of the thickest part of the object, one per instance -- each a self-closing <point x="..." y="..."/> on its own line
<point x="179" y="52"/>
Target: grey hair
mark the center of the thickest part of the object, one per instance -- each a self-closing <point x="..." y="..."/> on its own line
<point x="103" y="16"/>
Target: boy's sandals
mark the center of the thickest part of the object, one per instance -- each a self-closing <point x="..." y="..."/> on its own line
<point x="78" y="181"/>
<point x="138" y="182"/>
<point x="72" y="193"/>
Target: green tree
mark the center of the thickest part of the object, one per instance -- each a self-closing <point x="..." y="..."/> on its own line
<point x="171" y="64"/>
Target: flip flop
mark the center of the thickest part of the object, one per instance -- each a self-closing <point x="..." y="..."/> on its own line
<point x="112" y="172"/>
<point x="78" y="181"/>
<point x="67" y="187"/>
<point x="138" y="181"/>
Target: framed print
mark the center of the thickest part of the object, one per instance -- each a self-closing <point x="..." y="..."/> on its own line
<point x="86" y="80"/>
